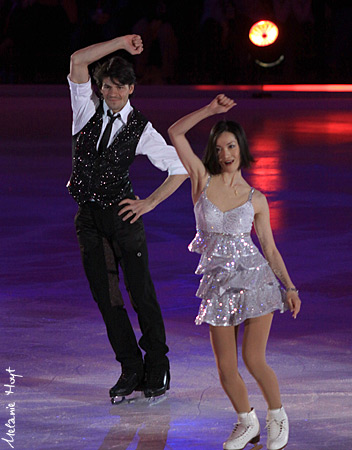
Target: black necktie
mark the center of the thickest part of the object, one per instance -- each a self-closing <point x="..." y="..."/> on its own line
<point x="106" y="135"/>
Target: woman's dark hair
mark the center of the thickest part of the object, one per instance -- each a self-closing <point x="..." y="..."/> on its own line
<point x="115" y="68"/>
<point x="211" y="160"/>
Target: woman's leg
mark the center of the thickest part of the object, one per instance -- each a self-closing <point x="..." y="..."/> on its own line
<point x="254" y="343"/>
<point x="224" y="343"/>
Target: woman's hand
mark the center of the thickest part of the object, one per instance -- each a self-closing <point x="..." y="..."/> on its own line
<point x="221" y="104"/>
<point x="294" y="302"/>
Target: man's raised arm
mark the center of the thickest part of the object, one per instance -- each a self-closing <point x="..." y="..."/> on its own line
<point x="81" y="59"/>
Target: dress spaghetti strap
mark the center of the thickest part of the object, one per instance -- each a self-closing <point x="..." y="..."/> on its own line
<point x="251" y="194"/>
<point x="206" y="184"/>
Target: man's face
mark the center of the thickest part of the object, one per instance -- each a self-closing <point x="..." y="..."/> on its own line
<point x="115" y="94"/>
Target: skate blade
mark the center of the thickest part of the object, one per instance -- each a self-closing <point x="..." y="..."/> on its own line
<point x="156" y="400"/>
<point x="257" y="447"/>
<point x="138" y="397"/>
<point x="281" y="448"/>
<point x="132" y="398"/>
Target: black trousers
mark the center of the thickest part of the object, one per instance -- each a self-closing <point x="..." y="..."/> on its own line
<point x="107" y="242"/>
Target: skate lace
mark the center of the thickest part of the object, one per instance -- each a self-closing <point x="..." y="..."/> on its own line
<point x="279" y="423"/>
<point x="240" y="433"/>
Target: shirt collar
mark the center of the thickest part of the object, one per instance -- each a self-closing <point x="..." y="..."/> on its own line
<point x="124" y="113"/>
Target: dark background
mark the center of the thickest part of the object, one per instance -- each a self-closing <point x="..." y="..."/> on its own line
<point x="185" y="41"/>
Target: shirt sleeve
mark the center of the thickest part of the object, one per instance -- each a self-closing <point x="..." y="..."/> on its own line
<point x="161" y="155"/>
<point x="84" y="102"/>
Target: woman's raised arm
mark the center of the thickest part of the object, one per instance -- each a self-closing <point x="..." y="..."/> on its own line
<point x="177" y="133"/>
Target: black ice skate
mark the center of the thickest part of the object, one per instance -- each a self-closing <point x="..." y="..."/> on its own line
<point x="157" y="381"/>
<point x="128" y="383"/>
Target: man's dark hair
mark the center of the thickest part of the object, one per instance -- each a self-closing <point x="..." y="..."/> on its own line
<point x="115" y="68"/>
<point x="211" y="160"/>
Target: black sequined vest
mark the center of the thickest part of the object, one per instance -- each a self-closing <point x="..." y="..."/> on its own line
<point x="104" y="177"/>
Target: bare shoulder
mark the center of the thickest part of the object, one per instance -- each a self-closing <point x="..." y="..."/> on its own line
<point x="199" y="184"/>
<point x="259" y="201"/>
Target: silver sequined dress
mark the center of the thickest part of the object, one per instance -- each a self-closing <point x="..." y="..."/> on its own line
<point x="237" y="282"/>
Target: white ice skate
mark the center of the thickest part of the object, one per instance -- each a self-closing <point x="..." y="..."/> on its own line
<point x="278" y="429"/>
<point x="246" y="431"/>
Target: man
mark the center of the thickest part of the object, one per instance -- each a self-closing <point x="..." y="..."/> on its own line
<point x="107" y="134"/>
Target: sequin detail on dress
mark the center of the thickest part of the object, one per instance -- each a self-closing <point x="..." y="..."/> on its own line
<point x="237" y="282"/>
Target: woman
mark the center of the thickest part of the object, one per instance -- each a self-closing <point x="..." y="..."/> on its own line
<point x="238" y="284"/>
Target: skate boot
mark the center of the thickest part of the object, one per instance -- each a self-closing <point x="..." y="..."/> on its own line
<point x="157" y="381"/>
<point x="126" y="384"/>
<point x="246" y="431"/>
<point x="277" y="425"/>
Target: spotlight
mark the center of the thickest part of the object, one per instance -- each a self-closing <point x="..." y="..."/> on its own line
<point x="266" y="47"/>
<point x="263" y="33"/>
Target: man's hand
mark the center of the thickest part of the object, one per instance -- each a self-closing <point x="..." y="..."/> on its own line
<point x="133" y="44"/>
<point x="135" y="208"/>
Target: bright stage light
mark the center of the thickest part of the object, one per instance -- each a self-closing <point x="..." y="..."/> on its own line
<point x="266" y="44"/>
<point x="263" y="33"/>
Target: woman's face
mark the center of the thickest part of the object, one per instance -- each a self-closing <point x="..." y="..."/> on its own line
<point x="228" y="152"/>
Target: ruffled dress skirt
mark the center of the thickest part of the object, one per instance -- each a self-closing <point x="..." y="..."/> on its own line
<point x="237" y="282"/>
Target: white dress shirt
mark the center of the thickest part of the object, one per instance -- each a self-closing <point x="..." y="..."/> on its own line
<point x="84" y="102"/>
